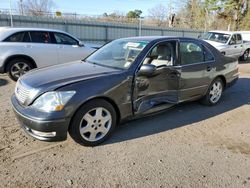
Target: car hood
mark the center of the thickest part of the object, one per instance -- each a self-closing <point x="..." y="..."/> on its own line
<point x="50" y="78"/>
<point x="217" y="45"/>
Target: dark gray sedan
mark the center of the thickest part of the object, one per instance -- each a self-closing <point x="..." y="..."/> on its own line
<point x="125" y="79"/>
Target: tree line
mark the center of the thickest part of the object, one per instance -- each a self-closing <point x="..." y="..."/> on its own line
<point x="195" y="14"/>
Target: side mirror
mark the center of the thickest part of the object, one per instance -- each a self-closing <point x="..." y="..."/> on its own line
<point x="147" y="70"/>
<point x="80" y="43"/>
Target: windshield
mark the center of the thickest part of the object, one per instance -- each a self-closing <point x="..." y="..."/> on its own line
<point x="118" y="54"/>
<point x="217" y="37"/>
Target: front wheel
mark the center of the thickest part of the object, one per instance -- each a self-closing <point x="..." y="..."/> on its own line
<point x="214" y="93"/>
<point x="93" y="123"/>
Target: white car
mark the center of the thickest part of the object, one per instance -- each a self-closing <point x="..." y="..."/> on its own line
<point x="22" y="49"/>
<point x="229" y="43"/>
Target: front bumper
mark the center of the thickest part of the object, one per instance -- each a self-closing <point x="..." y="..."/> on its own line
<point x="46" y="130"/>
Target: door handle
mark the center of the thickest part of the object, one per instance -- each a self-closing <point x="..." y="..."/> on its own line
<point x="28" y="46"/>
<point x="235" y="46"/>
<point x="174" y="74"/>
<point x="209" y="68"/>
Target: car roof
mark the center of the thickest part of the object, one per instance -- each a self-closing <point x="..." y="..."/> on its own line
<point x="7" y="31"/>
<point x="157" y="38"/>
<point x="150" y="38"/>
<point x="225" y="32"/>
<point x="17" y="29"/>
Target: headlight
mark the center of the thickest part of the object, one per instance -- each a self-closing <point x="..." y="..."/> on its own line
<point x="53" y="101"/>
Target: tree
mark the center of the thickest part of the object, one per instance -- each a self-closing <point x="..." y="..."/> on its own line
<point x="233" y="11"/>
<point x="245" y="23"/>
<point x="36" y="7"/>
<point x="192" y="15"/>
<point x="158" y="14"/>
<point x="134" y="14"/>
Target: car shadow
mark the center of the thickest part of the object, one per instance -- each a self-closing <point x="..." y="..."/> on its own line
<point x="182" y="115"/>
<point x="3" y="82"/>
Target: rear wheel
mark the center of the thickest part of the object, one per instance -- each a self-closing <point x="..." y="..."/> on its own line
<point x="18" y="67"/>
<point x="93" y="123"/>
<point x="244" y="57"/>
<point x="214" y="93"/>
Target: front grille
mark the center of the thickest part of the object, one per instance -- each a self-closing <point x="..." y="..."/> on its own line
<point x="21" y="93"/>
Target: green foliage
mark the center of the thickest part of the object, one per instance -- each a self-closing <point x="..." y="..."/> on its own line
<point x="230" y="10"/>
<point x="134" y="14"/>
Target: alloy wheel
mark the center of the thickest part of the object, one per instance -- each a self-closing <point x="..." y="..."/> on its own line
<point x="95" y="124"/>
<point x="18" y="69"/>
<point x="215" y="92"/>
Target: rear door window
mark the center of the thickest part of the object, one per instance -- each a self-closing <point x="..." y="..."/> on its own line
<point x="18" y="37"/>
<point x="191" y="53"/>
<point x="40" y="37"/>
<point x="239" y="39"/>
<point x="208" y="55"/>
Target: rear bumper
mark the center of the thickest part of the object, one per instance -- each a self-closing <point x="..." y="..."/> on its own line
<point x="51" y="130"/>
<point x="232" y="82"/>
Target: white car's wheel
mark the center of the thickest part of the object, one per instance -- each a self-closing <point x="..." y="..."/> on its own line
<point x="18" y="67"/>
<point x="245" y="56"/>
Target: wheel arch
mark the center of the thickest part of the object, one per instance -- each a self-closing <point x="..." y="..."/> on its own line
<point x="112" y="102"/>
<point x="10" y="58"/>
<point x="223" y="78"/>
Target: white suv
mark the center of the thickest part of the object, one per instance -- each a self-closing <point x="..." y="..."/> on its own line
<point x="22" y="49"/>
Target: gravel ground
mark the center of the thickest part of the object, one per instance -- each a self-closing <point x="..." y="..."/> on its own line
<point x="188" y="146"/>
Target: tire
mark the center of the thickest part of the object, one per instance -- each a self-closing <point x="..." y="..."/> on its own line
<point x="18" y="67"/>
<point x="244" y="57"/>
<point x="96" y="120"/>
<point x="215" y="89"/>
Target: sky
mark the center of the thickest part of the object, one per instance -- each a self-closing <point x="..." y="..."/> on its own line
<point x="98" y="7"/>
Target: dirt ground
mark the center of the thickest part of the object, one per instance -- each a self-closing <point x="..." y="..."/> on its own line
<point x="189" y="146"/>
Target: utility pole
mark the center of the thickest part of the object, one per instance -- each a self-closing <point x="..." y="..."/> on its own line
<point x="11" y="18"/>
<point x="140" y="25"/>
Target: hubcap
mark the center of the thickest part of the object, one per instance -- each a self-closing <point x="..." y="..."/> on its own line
<point x="215" y="92"/>
<point x="246" y="55"/>
<point x="19" y="69"/>
<point x="95" y="124"/>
